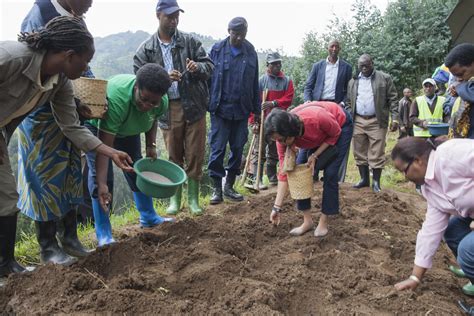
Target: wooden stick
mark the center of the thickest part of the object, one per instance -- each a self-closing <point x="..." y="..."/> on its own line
<point x="247" y="162"/>
<point x="260" y="143"/>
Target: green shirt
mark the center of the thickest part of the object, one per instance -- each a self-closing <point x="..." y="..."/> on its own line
<point x="123" y="117"/>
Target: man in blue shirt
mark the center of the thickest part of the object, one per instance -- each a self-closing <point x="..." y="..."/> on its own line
<point x="233" y="96"/>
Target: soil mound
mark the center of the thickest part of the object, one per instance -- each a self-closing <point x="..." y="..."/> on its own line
<point x="231" y="261"/>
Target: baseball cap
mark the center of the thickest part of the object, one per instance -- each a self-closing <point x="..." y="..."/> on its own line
<point x="430" y="81"/>
<point x="168" y="6"/>
<point x="273" y="57"/>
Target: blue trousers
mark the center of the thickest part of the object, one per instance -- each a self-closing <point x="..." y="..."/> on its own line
<point x="131" y="145"/>
<point x="330" y="204"/>
<point x="224" y="131"/>
<point x="460" y="239"/>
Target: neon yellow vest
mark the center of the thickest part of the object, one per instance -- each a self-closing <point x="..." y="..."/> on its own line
<point x="424" y="113"/>
<point x="456" y="106"/>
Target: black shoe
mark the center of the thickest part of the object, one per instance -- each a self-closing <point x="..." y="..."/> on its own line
<point x="272" y="174"/>
<point x="376" y="180"/>
<point x="50" y="252"/>
<point x="364" y="176"/>
<point x="216" y="196"/>
<point x="229" y="191"/>
<point x="67" y="236"/>
<point x="8" y="263"/>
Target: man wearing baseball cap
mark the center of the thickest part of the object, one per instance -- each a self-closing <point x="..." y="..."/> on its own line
<point x="280" y="95"/>
<point x="184" y="126"/>
<point x="234" y="95"/>
<point x="426" y="109"/>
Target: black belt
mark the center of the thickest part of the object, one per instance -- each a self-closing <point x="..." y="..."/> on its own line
<point x="366" y="117"/>
<point x="329" y="100"/>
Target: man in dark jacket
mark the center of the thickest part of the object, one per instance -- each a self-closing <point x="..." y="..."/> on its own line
<point x="406" y="127"/>
<point x="234" y="94"/>
<point x="189" y="67"/>
<point x="373" y="98"/>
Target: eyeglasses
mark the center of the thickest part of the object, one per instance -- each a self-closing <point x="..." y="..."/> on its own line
<point x="407" y="167"/>
<point x="145" y="101"/>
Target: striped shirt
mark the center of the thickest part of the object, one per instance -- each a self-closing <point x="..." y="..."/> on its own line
<point x="173" y="92"/>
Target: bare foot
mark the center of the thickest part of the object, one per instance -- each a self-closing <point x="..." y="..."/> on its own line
<point x="304" y="228"/>
<point x="320" y="231"/>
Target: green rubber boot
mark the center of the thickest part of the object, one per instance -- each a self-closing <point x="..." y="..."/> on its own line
<point x="457" y="271"/>
<point x="468" y="289"/>
<point x="193" y="197"/>
<point x="175" y="202"/>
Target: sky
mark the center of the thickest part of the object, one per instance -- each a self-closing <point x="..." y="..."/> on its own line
<point x="273" y="24"/>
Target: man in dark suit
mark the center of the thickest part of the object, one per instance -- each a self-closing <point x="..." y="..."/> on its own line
<point x="329" y="77"/>
<point x="328" y="81"/>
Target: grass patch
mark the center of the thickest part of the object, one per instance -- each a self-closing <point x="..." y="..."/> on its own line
<point x="27" y="248"/>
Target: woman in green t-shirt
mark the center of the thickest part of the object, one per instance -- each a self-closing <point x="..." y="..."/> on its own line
<point x="134" y="105"/>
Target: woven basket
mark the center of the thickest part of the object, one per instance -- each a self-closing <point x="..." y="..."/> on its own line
<point x="300" y="182"/>
<point x="93" y="93"/>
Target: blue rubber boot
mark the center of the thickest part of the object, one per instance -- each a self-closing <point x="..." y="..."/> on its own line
<point x="148" y="216"/>
<point x="103" y="228"/>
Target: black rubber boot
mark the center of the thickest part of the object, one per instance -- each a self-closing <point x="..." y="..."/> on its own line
<point x="67" y="236"/>
<point x="50" y="252"/>
<point x="216" y="197"/>
<point x="8" y="263"/>
<point x="376" y="180"/>
<point x="229" y="191"/>
<point x="272" y="174"/>
<point x="364" y="177"/>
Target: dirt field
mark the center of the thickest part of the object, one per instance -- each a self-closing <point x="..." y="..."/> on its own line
<point x="231" y="261"/>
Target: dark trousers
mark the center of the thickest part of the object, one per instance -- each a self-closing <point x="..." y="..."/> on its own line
<point x="131" y="145"/>
<point x="460" y="239"/>
<point x="222" y="132"/>
<point x="330" y="204"/>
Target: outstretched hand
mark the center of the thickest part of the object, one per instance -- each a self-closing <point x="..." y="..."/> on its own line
<point x="394" y="126"/>
<point x="408" y="284"/>
<point x="122" y="160"/>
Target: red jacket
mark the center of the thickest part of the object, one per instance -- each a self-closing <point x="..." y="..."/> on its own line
<point x="280" y="89"/>
<point x="322" y="124"/>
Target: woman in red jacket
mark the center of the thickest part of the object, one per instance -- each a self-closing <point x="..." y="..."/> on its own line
<point x="311" y="128"/>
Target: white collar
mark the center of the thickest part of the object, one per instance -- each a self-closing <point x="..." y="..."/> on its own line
<point x="60" y="9"/>
<point x="335" y="64"/>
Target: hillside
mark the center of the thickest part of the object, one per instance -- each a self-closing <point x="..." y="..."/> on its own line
<point x="114" y="53"/>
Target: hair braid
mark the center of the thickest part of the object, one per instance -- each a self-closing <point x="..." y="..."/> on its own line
<point x="60" y="34"/>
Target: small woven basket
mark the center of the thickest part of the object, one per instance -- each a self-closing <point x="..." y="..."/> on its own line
<point x="300" y="182"/>
<point x="93" y="93"/>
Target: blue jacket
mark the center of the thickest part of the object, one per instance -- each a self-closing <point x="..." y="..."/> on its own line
<point x="41" y="13"/>
<point x="250" y="98"/>
<point x="314" y="86"/>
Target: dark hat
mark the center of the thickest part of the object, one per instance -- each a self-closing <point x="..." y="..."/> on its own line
<point x="238" y="24"/>
<point x="466" y="91"/>
<point x="273" y="57"/>
<point x="168" y="6"/>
